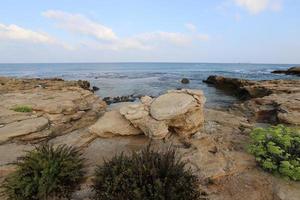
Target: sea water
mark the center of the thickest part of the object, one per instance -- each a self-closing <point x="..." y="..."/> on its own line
<point x="118" y="79"/>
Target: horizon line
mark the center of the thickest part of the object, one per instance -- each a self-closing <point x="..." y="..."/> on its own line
<point x="148" y="62"/>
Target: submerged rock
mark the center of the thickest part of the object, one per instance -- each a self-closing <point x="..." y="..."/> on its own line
<point x="185" y="81"/>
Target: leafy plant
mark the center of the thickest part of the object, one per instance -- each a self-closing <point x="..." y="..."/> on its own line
<point x="44" y="173"/>
<point x="22" y="109"/>
<point x="146" y="175"/>
<point x="277" y="150"/>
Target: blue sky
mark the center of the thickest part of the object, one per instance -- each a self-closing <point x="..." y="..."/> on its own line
<point x="256" y="31"/>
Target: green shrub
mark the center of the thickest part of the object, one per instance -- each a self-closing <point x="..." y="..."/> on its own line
<point x="44" y="173"/>
<point x="22" y="109"/>
<point x="146" y="175"/>
<point x="277" y="150"/>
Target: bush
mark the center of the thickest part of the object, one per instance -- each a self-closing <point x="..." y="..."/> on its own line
<point x="277" y="150"/>
<point x="44" y="173"/>
<point x="146" y="175"/>
<point x="22" y="109"/>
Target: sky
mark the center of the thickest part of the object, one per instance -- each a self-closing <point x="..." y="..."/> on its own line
<point x="231" y="31"/>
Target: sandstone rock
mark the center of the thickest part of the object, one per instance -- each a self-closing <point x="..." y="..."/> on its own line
<point x="112" y="123"/>
<point x="178" y="110"/>
<point x="22" y="128"/>
<point x="273" y="101"/>
<point x="170" y="105"/>
<point x="286" y="190"/>
<point x="146" y="100"/>
<point x="14" y="84"/>
<point x="63" y="104"/>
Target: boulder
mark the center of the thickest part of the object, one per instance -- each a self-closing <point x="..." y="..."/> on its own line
<point x="138" y="115"/>
<point x="170" y="105"/>
<point x="185" y="81"/>
<point x="180" y="111"/>
<point x="112" y="123"/>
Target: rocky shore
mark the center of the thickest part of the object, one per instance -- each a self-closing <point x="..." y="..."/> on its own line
<point x="213" y="142"/>
<point x="270" y="101"/>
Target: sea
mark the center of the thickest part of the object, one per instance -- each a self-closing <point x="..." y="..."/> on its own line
<point x="121" y="79"/>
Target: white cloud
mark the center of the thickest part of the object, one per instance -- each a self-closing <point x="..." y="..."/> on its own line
<point x="16" y="33"/>
<point x="191" y="27"/>
<point x="106" y="38"/>
<point x="257" y="6"/>
<point x="77" y="23"/>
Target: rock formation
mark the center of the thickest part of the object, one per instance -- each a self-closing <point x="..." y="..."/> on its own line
<point x="291" y="71"/>
<point x="179" y="111"/>
<point x="56" y="107"/>
<point x="271" y="101"/>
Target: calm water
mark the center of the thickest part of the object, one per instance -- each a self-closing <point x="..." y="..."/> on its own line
<point x="115" y="79"/>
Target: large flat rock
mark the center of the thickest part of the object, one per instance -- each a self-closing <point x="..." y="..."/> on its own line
<point x="21" y="128"/>
<point x="65" y="105"/>
<point x="170" y="105"/>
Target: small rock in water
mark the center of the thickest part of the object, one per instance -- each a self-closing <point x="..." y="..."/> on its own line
<point x="185" y="81"/>
<point x="95" y="88"/>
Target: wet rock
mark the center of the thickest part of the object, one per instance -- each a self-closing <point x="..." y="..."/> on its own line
<point x="270" y="101"/>
<point x="291" y="71"/>
<point x="118" y="99"/>
<point x="185" y="81"/>
<point x="95" y="88"/>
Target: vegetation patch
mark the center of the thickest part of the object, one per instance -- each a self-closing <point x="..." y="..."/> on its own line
<point x="277" y="150"/>
<point x="146" y="175"/>
<point x="22" y="108"/>
<point x="45" y="173"/>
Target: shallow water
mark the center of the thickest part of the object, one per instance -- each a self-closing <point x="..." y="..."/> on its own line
<point x="116" y="79"/>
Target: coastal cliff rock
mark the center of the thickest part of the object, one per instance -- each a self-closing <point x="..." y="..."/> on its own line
<point x="271" y="101"/>
<point x="290" y="71"/>
<point x="38" y="109"/>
